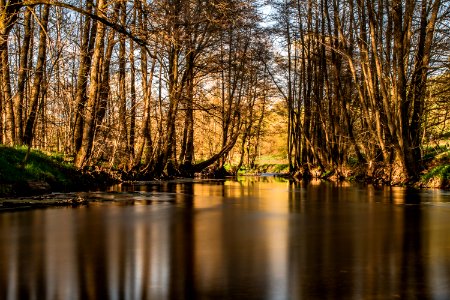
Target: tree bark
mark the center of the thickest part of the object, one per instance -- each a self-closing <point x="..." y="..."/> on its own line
<point x="87" y="45"/>
<point x="38" y="79"/>
<point x="124" y="136"/>
<point x="83" y="155"/>
<point x="22" y="77"/>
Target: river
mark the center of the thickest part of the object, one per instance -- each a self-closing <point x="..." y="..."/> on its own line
<point x="252" y="238"/>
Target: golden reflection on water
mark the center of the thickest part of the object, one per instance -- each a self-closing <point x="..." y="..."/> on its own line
<point x="256" y="238"/>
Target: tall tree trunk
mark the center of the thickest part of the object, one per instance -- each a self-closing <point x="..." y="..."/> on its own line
<point x="105" y="72"/>
<point x="174" y="98"/>
<point x="22" y="77"/>
<point x="132" y="104"/>
<point x="7" y="94"/>
<point x="146" y="150"/>
<point x="417" y="90"/>
<point x="1" y="110"/>
<point x="123" y="91"/>
<point x="83" y="155"/>
<point x="187" y="148"/>
<point x="38" y="79"/>
<point x="168" y="156"/>
<point x="9" y="10"/>
<point x="402" y="27"/>
<point x="87" y="45"/>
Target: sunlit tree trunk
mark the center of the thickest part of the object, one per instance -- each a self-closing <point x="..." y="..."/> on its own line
<point x="84" y="153"/>
<point x="417" y="91"/>
<point x="133" y="105"/>
<point x="1" y="111"/>
<point x="105" y="89"/>
<point x="290" y="129"/>
<point x="86" y="48"/>
<point x="146" y="150"/>
<point x="22" y="76"/>
<point x="124" y="136"/>
<point x="9" y="11"/>
<point x="167" y="158"/>
<point x="7" y="94"/>
<point x="187" y="145"/>
<point x="38" y="78"/>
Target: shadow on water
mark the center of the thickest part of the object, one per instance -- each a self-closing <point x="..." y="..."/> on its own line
<point x="252" y="238"/>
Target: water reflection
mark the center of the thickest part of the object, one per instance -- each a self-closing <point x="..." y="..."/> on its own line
<point x="256" y="238"/>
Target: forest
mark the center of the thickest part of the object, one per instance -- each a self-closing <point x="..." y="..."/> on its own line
<point x="164" y="88"/>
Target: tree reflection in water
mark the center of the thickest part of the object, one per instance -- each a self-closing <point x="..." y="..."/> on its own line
<point x="251" y="239"/>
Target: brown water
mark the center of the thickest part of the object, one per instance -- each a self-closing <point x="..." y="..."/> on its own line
<point x="259" y="238"/>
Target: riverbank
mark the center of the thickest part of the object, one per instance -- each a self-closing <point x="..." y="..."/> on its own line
<point x="43" y="173"/>
<point x="435" y="173"/>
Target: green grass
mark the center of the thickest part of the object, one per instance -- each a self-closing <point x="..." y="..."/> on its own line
<point x="441" y="171"/>
<point x="39" y="166"/>
<point x="437" y="161"/>
<point x="51" y="168"/>
<point x="436" y="152"/>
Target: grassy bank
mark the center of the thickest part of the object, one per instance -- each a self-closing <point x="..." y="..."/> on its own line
<point x="49" y="172"/>
<point x="437" y="172"/>
<point x="42" y="173"/>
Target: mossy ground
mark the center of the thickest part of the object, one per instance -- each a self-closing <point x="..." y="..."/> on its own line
<point x="437" y="173"/>
<point x="51" y="169"/>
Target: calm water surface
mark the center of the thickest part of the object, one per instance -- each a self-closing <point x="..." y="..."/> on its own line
<point x="257" y="238"/>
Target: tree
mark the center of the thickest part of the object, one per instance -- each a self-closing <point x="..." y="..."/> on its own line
<point x="364" y="65"/>
<point x="38" y="79"/>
